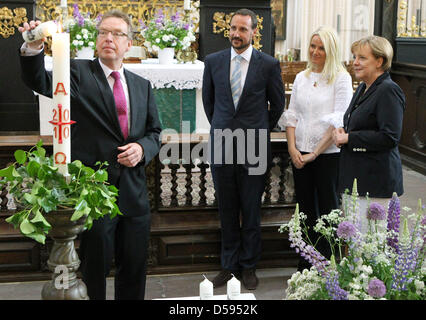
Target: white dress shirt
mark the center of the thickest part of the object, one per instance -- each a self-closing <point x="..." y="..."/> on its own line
<point x="246" y="55"/>
<point x="315" y="105"/>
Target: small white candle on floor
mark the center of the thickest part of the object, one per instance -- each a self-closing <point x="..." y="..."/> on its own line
<point x="206" y="289"/>
<point x="233" y="288"/>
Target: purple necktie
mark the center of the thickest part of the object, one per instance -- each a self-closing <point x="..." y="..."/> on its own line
<point x="120" y="103"/>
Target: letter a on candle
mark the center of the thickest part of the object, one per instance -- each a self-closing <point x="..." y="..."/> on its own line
<point x="60" y="89"/>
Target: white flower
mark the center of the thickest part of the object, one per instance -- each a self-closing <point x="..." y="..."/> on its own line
<point x="157" y="40"/>
<point x="75" y="42"/>
<point x="85" y="36"/>
<point x="84" y="31"/>
<point x="91" y="44"/>
<point x="165" y="37"/>
<point x="78" y="37"/>
<point x="419" y="286"/>
<point x="81" y="42"/>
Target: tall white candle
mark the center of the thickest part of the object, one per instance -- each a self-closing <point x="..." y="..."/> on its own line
<point x="187" y="5"/>
<point x="233" y="288"/>
<point x="206" y="290"/>
<point x="61" y="101"/>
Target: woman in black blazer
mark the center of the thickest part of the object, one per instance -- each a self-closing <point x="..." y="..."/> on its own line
<point x="372" y="125"/>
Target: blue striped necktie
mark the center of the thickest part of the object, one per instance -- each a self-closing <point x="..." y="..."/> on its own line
<point x="236" y="80"/>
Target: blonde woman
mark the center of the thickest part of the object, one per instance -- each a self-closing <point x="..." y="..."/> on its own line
<point x="319" y="99"/>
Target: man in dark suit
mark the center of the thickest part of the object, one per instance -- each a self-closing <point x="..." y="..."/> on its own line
<point x="116" y="121"/>
<point x="238" y="83"/>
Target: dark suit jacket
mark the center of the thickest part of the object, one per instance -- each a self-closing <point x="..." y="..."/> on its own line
<point x="374" y="124"/>
<point x="96" y="134"/>
<point x="263" y="84"/>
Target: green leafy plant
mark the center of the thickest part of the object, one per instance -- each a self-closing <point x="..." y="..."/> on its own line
<point x="38" y="188"/>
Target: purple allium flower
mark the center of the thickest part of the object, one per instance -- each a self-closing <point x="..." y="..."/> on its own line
<point x="394" y="212"/>
<point x="376" y="288"/>
<point x="186" y="26"/>
<point x="376" y="212"/>
<point x="346" y="230"/>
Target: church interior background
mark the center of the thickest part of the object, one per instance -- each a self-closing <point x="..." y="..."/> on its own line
<point x="185" y="232"/>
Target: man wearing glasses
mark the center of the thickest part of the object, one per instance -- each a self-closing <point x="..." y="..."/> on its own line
<point x="116" y="121"/>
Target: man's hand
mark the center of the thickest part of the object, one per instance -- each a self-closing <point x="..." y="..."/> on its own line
<point x="131" y="154"/>
<point x="340" y="137"/>
<point x="38" y="44"/>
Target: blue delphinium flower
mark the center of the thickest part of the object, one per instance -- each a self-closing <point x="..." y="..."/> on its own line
<point x="394" y="212"/>
<point x="333" y="287"/>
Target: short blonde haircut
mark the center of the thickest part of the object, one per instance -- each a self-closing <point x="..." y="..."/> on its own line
<point x="333" y="60"/>
<point x="380" y="48"/>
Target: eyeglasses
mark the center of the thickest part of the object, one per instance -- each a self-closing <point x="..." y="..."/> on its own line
<point x="116" y="34"/>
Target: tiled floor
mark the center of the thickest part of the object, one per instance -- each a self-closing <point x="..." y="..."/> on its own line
<point x="272" y="281"/>
<point x="272" y="284"/>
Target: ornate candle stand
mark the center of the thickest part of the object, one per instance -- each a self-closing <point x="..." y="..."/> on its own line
<point x="189" y="54"/>
<point x="63" y="259"/>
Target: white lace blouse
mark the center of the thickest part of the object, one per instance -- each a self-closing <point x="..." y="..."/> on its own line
<point x="315" y="105"/>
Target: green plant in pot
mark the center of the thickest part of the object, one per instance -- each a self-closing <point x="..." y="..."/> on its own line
<point x="38" y="188"/>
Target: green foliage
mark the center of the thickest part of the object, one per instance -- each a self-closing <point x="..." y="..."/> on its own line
<point x="38" y="188"/>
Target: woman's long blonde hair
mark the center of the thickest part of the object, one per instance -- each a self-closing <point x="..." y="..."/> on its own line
<point x="333" y="60"/>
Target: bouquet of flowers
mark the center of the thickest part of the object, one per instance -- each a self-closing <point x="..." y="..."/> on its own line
<point x="82" y="30"/>
<point x="162" y="33"/>
<point x="383" y="263"/>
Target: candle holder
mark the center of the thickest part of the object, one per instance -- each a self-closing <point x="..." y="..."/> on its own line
<point x="189" y="54"/>
<point x="63" y="259"/>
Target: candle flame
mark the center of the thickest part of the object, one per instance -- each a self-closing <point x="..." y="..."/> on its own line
<point x="60" y="29"/>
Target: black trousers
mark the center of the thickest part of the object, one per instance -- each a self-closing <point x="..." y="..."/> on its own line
<point x="316" y="192"/>
<point x="126" y="240"/>
<point x="238" y="193"/>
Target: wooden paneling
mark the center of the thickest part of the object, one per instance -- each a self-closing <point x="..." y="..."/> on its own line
<point x="412" y="80"/>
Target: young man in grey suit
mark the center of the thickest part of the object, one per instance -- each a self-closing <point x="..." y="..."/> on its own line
<point x="238" y="84"/>
<point x="116" y="121"/>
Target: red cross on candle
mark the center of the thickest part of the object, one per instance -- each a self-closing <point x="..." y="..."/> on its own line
<point x="59" y="123"/>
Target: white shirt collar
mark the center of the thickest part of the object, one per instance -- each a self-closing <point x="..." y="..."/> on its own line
<point x="246" y="54"/>
<point x="108" y="71"/>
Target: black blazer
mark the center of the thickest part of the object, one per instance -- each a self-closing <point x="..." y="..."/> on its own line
<point x="263" y="84"/>
<point x="374" y="123"/>
<point x="96" y="134"/>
